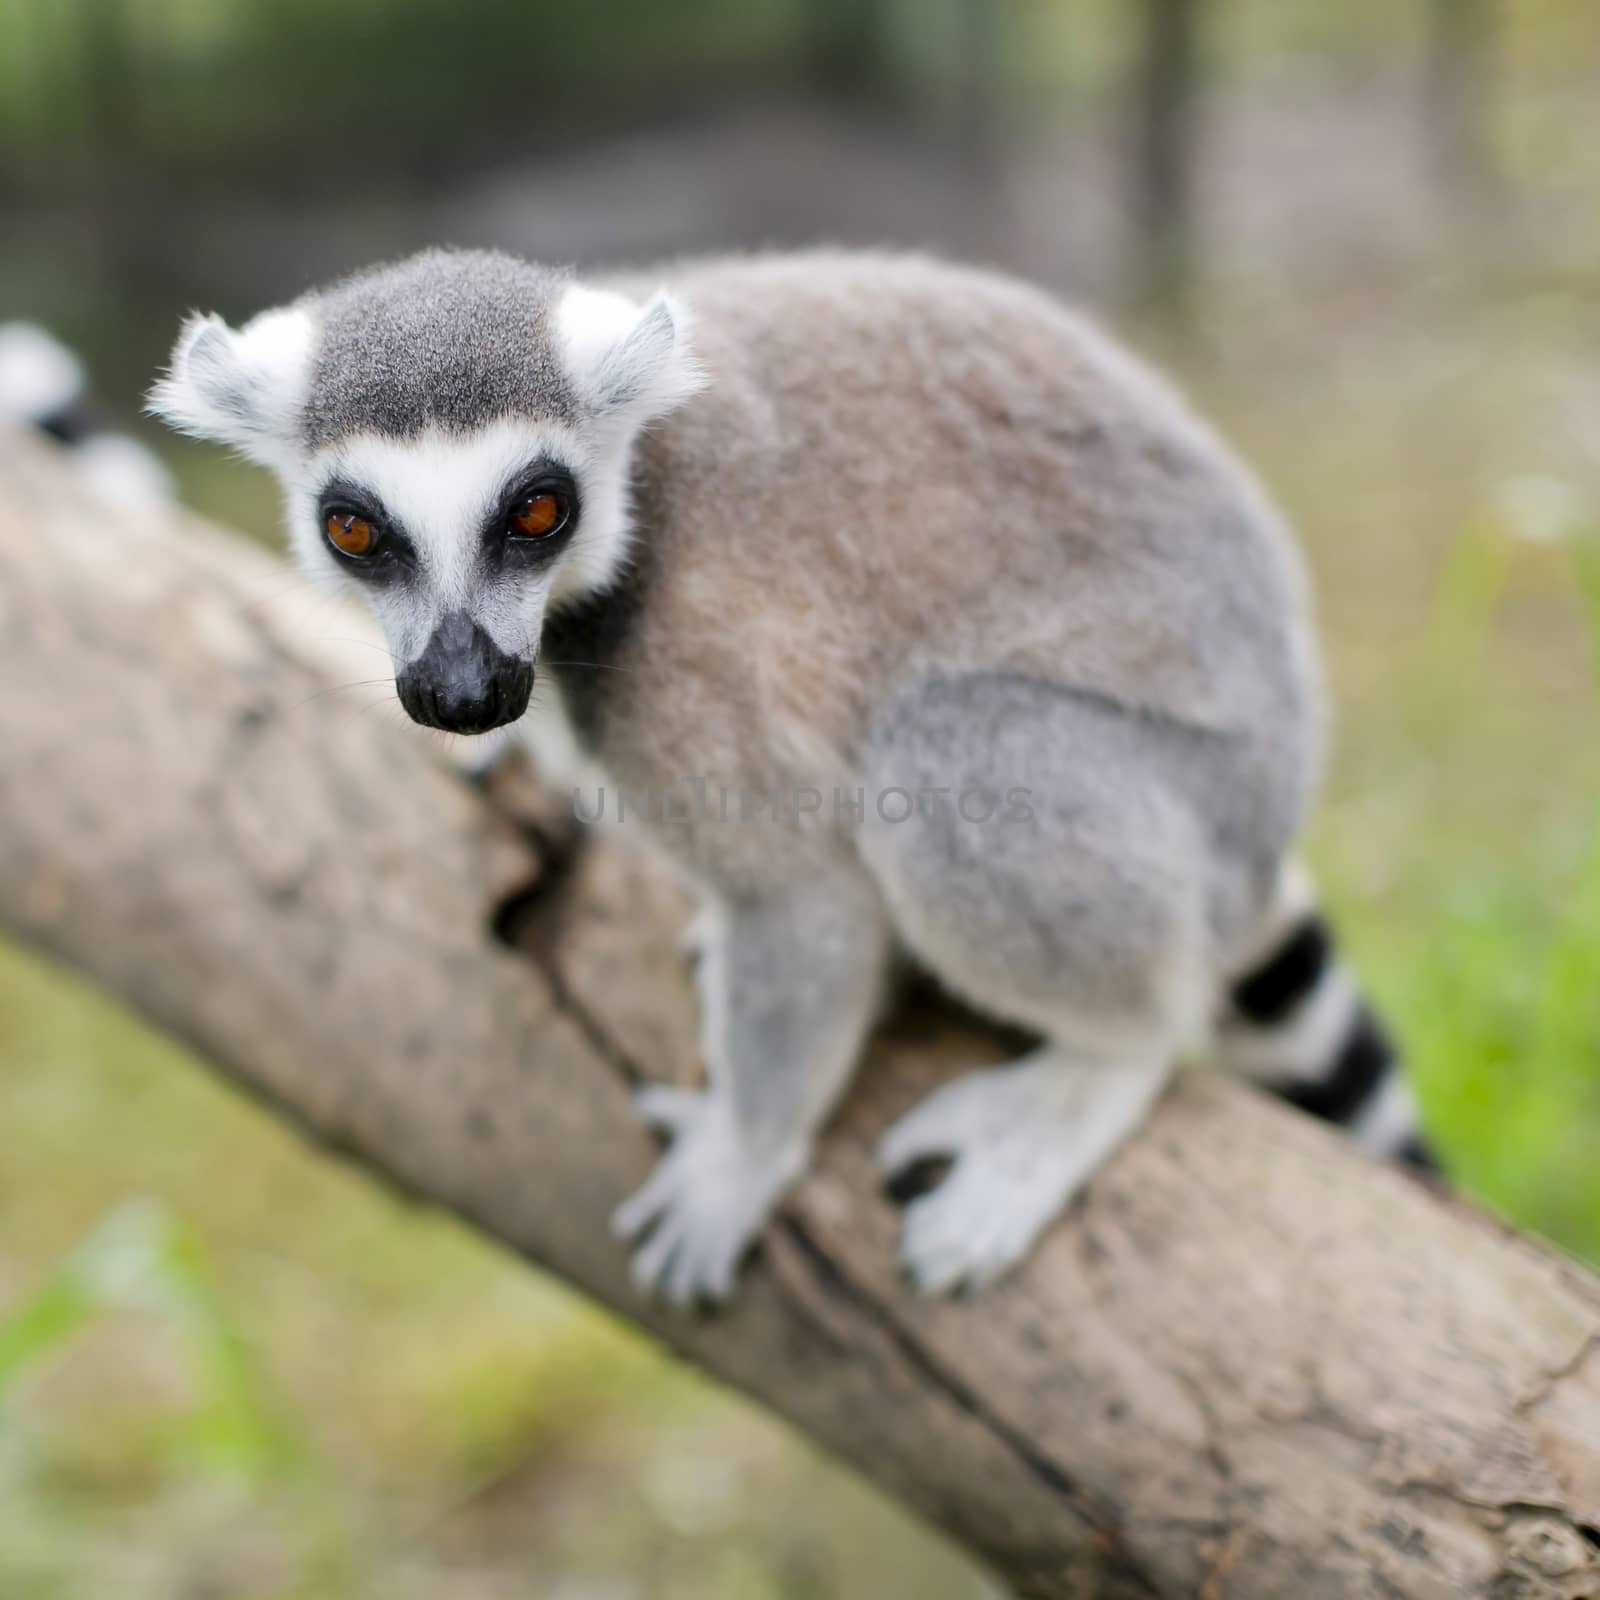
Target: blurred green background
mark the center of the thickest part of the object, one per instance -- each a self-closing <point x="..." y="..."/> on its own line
<point x="1364" y="235"/>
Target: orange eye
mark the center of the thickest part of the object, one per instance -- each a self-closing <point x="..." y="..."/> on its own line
<point x="537" y="517"/>
<point x="354" y="535"/>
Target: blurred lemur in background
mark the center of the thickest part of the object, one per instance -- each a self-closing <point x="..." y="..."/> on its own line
<point x="43" y="387"/>
<point x="903" y="536"/>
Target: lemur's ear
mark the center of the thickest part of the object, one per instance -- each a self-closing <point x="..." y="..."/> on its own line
<point x="627" y="360"/>
<point x="245" y="387"/>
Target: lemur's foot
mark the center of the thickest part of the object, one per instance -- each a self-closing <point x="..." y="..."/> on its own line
<point x="1024" y="1139"/>
<point x="706" y="1201"/>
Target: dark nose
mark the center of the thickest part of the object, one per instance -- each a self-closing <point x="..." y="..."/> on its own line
<point x="463" y="681"/>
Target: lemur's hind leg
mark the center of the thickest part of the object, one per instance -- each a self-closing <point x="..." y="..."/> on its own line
<point x="1078" y="908"/>
<point x="790" y="982"/>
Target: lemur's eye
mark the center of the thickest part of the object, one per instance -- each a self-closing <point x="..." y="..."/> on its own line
<point x="538" y="516"/>
<point x="353" y="535"/>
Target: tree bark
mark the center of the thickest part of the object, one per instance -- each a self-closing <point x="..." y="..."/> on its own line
<point x="1249" y="1364"/>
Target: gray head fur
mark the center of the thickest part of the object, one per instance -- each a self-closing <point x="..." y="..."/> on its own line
<point x="448" y="338"/>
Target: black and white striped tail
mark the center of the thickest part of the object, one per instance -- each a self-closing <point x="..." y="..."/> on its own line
<point x="43" y="387"/>
<point x="1297" y="1023"/>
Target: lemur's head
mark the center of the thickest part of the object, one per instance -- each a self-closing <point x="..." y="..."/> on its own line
<point x="452" y="434"/>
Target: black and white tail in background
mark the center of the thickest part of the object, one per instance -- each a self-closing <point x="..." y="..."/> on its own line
<point x="43" y="387"/>
<point x="1296" y="1022"/>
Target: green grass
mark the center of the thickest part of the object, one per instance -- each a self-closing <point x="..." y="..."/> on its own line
<point x="1450" y="503"/>
<point x="1490" y="961"/>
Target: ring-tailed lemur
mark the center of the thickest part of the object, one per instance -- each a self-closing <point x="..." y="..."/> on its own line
<point x="43" y="386"/>
<point x="1004" y="660"/>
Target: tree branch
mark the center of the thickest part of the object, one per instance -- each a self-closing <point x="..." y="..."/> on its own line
<point x="1250" y="1364"/>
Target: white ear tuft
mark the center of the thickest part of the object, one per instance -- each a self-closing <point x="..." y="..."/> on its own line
<point x="627" y="360"/>
<point x="243" y="388"/>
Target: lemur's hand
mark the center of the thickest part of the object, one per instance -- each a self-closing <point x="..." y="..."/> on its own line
<point x="707" y="1199"/>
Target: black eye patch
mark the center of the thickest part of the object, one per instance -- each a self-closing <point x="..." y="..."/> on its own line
<point x="392" y="557"/>
<point x="514" y="541"/>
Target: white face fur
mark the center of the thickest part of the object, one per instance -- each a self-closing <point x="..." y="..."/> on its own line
<point x="457" y="592"/>
<point x="441" y="487"/>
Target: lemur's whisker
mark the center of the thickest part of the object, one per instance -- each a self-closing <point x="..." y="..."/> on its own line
<point x="365" y="644"/>
<point x="341" y="688"/>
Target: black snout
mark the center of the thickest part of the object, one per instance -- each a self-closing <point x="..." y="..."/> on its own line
<point x="464" y="682"/>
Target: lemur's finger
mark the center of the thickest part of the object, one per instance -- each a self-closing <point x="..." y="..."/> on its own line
<point x="717" y="1282"/>
<point x="694" y="939"/>
<point x="683" y="1279"/>
<point x="641" y="1208"/>
<point x="665" y="1107"/>
<point x="936" y="1272"/>
<point x="654" y="1259"/>
<point x="928" y="1131"/>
